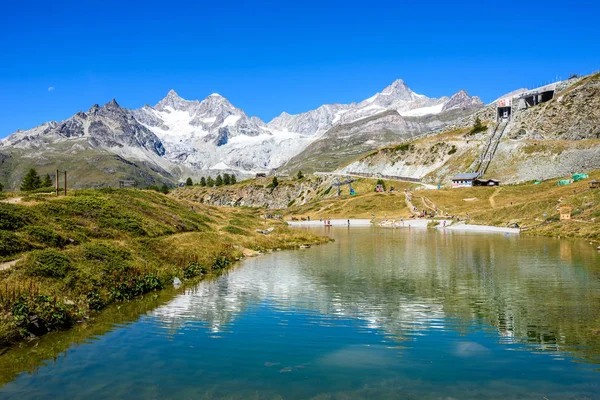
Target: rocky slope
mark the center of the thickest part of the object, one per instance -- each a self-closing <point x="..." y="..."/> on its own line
<point x="258" y="193"/>
<point x="552" y="139"/>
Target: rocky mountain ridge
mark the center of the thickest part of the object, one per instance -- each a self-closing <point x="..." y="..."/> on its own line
<point x="177" y="138"/>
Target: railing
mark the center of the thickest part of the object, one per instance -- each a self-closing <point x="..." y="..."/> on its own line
<point x="492" y="150"/>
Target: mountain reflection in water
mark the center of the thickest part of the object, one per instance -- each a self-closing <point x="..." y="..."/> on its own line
<point x="377" y="313"/>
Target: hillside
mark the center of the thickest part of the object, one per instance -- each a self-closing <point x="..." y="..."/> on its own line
<point x="552" y="139"/>
<point x="64" y="258"/>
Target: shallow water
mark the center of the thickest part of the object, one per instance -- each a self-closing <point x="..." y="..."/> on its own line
<point x="377" y="314"/>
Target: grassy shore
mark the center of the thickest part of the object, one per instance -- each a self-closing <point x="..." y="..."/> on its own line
<point x="534" y="207"/>
<point x="64" y="259"/>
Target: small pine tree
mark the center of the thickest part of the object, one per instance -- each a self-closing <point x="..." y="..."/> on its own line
<point x="203" y="181"/>
<point x="47" y="181"/>
<point x="226" y="179"/>
<point x="31" y="181"/>
<point x="275" y="182"/>
<point x="210" y="182"/>
<point x="219" y="180"/>
<point x="300" y="175"/>
<point x="164" y="188"/>
<point x="477" y="127"/>
<point x="233" y="180"/>
<point x="188" y="182"/>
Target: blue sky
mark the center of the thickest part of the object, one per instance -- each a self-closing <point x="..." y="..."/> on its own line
<point x="269" y="57"/>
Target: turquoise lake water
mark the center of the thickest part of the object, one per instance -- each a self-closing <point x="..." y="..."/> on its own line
<point x="377" y="314"/>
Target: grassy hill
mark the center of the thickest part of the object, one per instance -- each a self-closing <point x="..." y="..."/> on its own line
<point x="63" y="258"/>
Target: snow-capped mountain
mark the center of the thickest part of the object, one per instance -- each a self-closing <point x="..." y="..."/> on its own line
<point x="212" y="134"/>
<point x="178" y="138"/>
<point x="397" y="96"/>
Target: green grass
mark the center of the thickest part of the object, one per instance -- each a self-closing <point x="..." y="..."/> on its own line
<point x="76" y="254"/>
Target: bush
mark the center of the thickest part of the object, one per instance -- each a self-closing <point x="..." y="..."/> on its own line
<point x="192" y="270"/>
<point x="477" y="127"/>
<point x="291" y="203"/>
<point x="45" y="236"/>
<point x="327" y="191"/>
<point x="273" y="184"/>
<point x="109" y="258"/>
<point x="13" y="217"/>
<point x="47" y="263"/>
<point x="452" y="150"/>
<point x="11" y="244"/>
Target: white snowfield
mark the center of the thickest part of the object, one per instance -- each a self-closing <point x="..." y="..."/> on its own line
<point x="482" y="228"/>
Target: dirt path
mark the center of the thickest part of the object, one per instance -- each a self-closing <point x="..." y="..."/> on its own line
<point x="409" y="204"/>
<point x="8" y="265"/>
<point x="491" y="199"/>
<point x="12" y="200"/>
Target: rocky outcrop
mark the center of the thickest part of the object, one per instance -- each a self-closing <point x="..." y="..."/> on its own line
<point x="259" y="194"/>
<point x="573" y="114"/>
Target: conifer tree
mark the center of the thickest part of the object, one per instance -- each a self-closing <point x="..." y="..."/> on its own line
<point x="300" y="175"/>
<point x="226" y="179"/>
<point x="210" y="182"/>
<point x="189" y="182"/>
<point x="31" y="181"/>
<point x="164" y="188"/>
<point x="47" y="181"/>
<point x="203" y="181"/>
<point x="233" y="180"/>
<point x="219" y="180"/>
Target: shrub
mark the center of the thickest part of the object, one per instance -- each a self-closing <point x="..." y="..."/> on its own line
<point x="477" y="127"/>
<point x="452" y="150"/>
<point x="11" y="244"/>
<point x="45" y="236"/>
<point x="326" y="192"/>
<point x="109" y="258"/>
<point x="192" y="270"/>
<point x="273" y="184"/>
<point x="13" y="217"/>
<point x="47" y="263"/>
<point x="291" y="203"/>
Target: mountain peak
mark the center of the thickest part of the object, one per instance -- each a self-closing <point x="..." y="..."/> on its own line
<point x="112" y="104"/>
<point x="398" y="89"/>
<point x="216" y="95"/>
<point x="172" y="95"/>
<point x="462" y="100"/>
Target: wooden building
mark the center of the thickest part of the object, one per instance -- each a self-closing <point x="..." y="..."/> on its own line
<point x="464" y="180"/>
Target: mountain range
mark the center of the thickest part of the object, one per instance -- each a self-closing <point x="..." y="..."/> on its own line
<point x="177" y="138"/>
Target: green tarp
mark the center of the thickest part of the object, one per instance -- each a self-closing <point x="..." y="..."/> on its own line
<point x="578" y="177"/>
<point x="564" y="182"/>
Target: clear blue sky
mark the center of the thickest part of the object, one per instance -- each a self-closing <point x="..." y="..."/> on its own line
<point x="269" y="57"/>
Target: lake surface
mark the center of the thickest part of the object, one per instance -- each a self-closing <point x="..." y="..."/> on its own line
<point x="377" y="314"/>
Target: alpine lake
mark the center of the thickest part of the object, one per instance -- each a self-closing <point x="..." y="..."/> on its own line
<point x="378" y="314"/>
